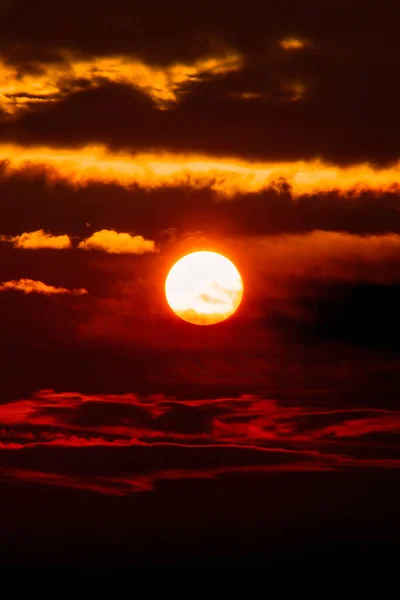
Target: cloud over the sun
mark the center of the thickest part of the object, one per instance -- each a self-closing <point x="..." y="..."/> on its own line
<point x="114" y="242"/>
<point x="30" y="286"/>
<point x="39" y="239"/>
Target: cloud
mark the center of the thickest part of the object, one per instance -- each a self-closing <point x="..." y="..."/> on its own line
<point x="123" y="486"/>
<point x="227" y="177"/>
<point x="327" y="256"/>
<point x="106" y="240"/>
<point x="113" y="242"/>
<point x="54" y="479"/>
<point x="249" y="95"/>
<point x="341" y="71"/>
<point x="71" y="418"/>
<point x="292" y="43"/>
<point x="38" y="239"/>
<point x="29" y="286"/>
<point x="353" y="428"/>
<point x="148" y="212"/>
<point x="52" y="82"/>
<point x="129" y="442"/>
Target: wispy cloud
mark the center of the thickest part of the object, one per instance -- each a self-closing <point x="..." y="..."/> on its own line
<point x="35" y="240"/>
<point x="113" y="242"/>
<point x="30" y="286"/>
<point x="21" y="90"/>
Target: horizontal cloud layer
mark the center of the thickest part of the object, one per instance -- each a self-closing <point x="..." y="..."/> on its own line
<point x="228" y="177"/>
<point x="141" y="440"/>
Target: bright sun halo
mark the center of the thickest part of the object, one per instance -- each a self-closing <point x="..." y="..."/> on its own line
<point x="204" y="288"/>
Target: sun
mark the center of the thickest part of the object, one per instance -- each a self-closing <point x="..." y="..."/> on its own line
<point x="204" y="288"/>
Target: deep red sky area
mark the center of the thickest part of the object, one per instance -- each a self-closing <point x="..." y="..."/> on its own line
<point x="130" y="136"/>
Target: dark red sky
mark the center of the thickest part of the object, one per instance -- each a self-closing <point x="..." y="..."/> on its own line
<point x="129" y="136"/>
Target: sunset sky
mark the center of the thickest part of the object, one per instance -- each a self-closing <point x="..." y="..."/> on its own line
<point x="131" y="135"/>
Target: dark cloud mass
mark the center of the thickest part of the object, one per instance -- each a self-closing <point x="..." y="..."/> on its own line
<point x="132" y="134"/>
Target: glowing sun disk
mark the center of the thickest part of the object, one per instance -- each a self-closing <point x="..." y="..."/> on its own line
<point x="204" y="288"/>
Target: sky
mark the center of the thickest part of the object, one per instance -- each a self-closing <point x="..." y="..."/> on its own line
<point x="129" y="137"/>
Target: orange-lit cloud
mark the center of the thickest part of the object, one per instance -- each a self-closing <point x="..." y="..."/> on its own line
<point x="34" y="240"/>
<point x="113" y="242"/>
<point x="291" y="91"/>
<point x="19" y="90"/>
<point x="29" y="286"/>
<point x="295" y="90"/>
<point x="292" y="43"/>
<point x="226" y="176"/>
<point x="249" y="95"/>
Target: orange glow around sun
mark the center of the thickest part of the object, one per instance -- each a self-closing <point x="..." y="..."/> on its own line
<point x="204" y="288"/>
